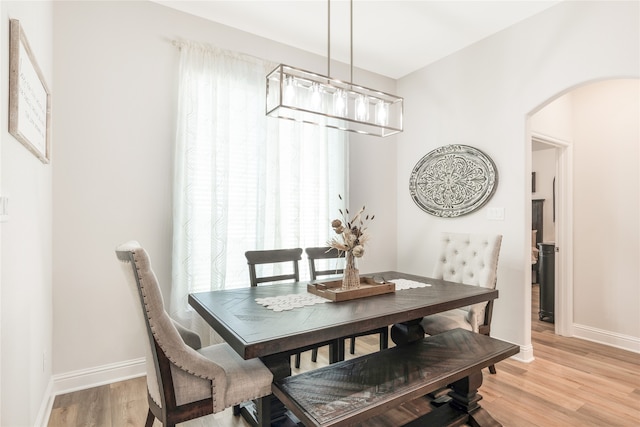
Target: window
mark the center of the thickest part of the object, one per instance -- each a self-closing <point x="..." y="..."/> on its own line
<point x="243" y="181"/>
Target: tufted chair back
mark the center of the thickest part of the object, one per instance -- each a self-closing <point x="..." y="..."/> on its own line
<point x="471" y="259"/>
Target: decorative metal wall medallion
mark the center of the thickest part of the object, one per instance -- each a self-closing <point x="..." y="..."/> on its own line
<point x="453" y="180"/>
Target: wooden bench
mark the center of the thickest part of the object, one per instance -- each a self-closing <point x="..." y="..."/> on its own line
<point x="352" y="391"/>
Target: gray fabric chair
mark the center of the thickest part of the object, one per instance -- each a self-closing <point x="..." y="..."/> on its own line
<point x="326" y="252"/>
<point x="471" y="259"/>
<point x="184" y="380"/>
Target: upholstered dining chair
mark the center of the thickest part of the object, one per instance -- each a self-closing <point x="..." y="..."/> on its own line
<point x="471" y="259"/>
<point x="184" y="380"/>
<point x="314" y="255"/>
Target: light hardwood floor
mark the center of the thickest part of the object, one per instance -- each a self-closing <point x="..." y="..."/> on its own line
<point x="571" y="382"/>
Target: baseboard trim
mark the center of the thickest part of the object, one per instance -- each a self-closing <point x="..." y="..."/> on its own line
<point x="624" y="342"/>
<point x="100" y="375"/>
<point x="42" y="420"/>
<point x="525" y="355"/>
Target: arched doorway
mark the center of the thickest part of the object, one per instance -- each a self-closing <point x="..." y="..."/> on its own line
<point x="595" y="129"/>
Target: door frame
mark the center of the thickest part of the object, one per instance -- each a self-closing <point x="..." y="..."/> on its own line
<point x="563" y="310"/>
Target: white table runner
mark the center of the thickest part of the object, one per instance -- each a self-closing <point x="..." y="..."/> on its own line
<point x="402" y="284"/>
<point x="291" y="301"/>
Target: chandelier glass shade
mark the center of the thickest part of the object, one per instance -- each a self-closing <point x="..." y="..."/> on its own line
<point x="309" y="97"/>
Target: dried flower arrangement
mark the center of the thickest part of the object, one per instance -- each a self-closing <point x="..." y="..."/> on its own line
<point x="352" y="232"/>
<point x="352" y="235"/>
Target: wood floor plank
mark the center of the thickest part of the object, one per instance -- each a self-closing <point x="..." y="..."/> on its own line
<point x="544" y="388"/>
<point x="129" y="403"/>
<point x="588" y="363"/>
<point x="94" y="407"/>
<point x="533" y="408"/>
<point x="574" y="371"/>
<point x="64" y="416"/>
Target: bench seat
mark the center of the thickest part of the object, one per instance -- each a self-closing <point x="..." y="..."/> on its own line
<point x="354" y="390"/>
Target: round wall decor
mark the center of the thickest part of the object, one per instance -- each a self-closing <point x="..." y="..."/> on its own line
<point x="453" y="180"/>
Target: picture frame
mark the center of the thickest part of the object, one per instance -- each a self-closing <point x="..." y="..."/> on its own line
<point x="29" y="96"/>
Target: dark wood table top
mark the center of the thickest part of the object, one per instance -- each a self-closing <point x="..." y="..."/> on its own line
<point x="255" y="331"/>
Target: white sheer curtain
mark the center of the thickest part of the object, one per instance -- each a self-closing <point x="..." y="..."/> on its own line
<point x="242" y="181"/>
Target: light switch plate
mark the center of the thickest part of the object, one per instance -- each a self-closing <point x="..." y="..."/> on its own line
<point x="495" y="214"/>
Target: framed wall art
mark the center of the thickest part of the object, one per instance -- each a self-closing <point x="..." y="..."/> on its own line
<point x="29" y="97"/>
<point x="453" y="180"/>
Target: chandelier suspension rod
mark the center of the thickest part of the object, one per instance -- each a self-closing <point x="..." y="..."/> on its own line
<point x="328" y="38"/>
<point x="350" y="39"/>
<point x="351" y="36"/>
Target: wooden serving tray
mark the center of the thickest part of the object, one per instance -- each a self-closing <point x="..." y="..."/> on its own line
<point x="334" y="292"/>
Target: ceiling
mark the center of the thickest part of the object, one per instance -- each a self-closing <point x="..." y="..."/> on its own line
<point x="391" y="38"/>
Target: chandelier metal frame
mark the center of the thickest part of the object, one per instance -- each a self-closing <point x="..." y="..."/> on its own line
<point x="309" y="97"/>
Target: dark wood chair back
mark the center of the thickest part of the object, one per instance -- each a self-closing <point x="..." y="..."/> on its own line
<point x="324" y="252"/>
<point x="274" y="256"/>
<point x="327" y="252"/>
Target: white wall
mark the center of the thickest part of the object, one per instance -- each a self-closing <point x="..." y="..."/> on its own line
<point x="25" y="240"/>
<point x="555" y="119"/>
<point x="482" y="96"/>
<point x="116" y="70"/>
<point x="607" y="209"/>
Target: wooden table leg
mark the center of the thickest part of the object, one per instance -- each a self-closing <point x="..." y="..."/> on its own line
<point x="336" y="351"/>
<point x="406" y="332"/>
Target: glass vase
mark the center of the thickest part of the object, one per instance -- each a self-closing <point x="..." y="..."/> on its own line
<point x="351" y="278"/>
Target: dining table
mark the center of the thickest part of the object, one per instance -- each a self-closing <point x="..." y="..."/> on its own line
<point x="243" y="318"/>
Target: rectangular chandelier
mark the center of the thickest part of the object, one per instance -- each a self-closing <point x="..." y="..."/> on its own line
<point x="308" y="97"/>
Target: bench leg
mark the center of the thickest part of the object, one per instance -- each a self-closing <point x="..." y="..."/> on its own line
<point x="465" y="397"/>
